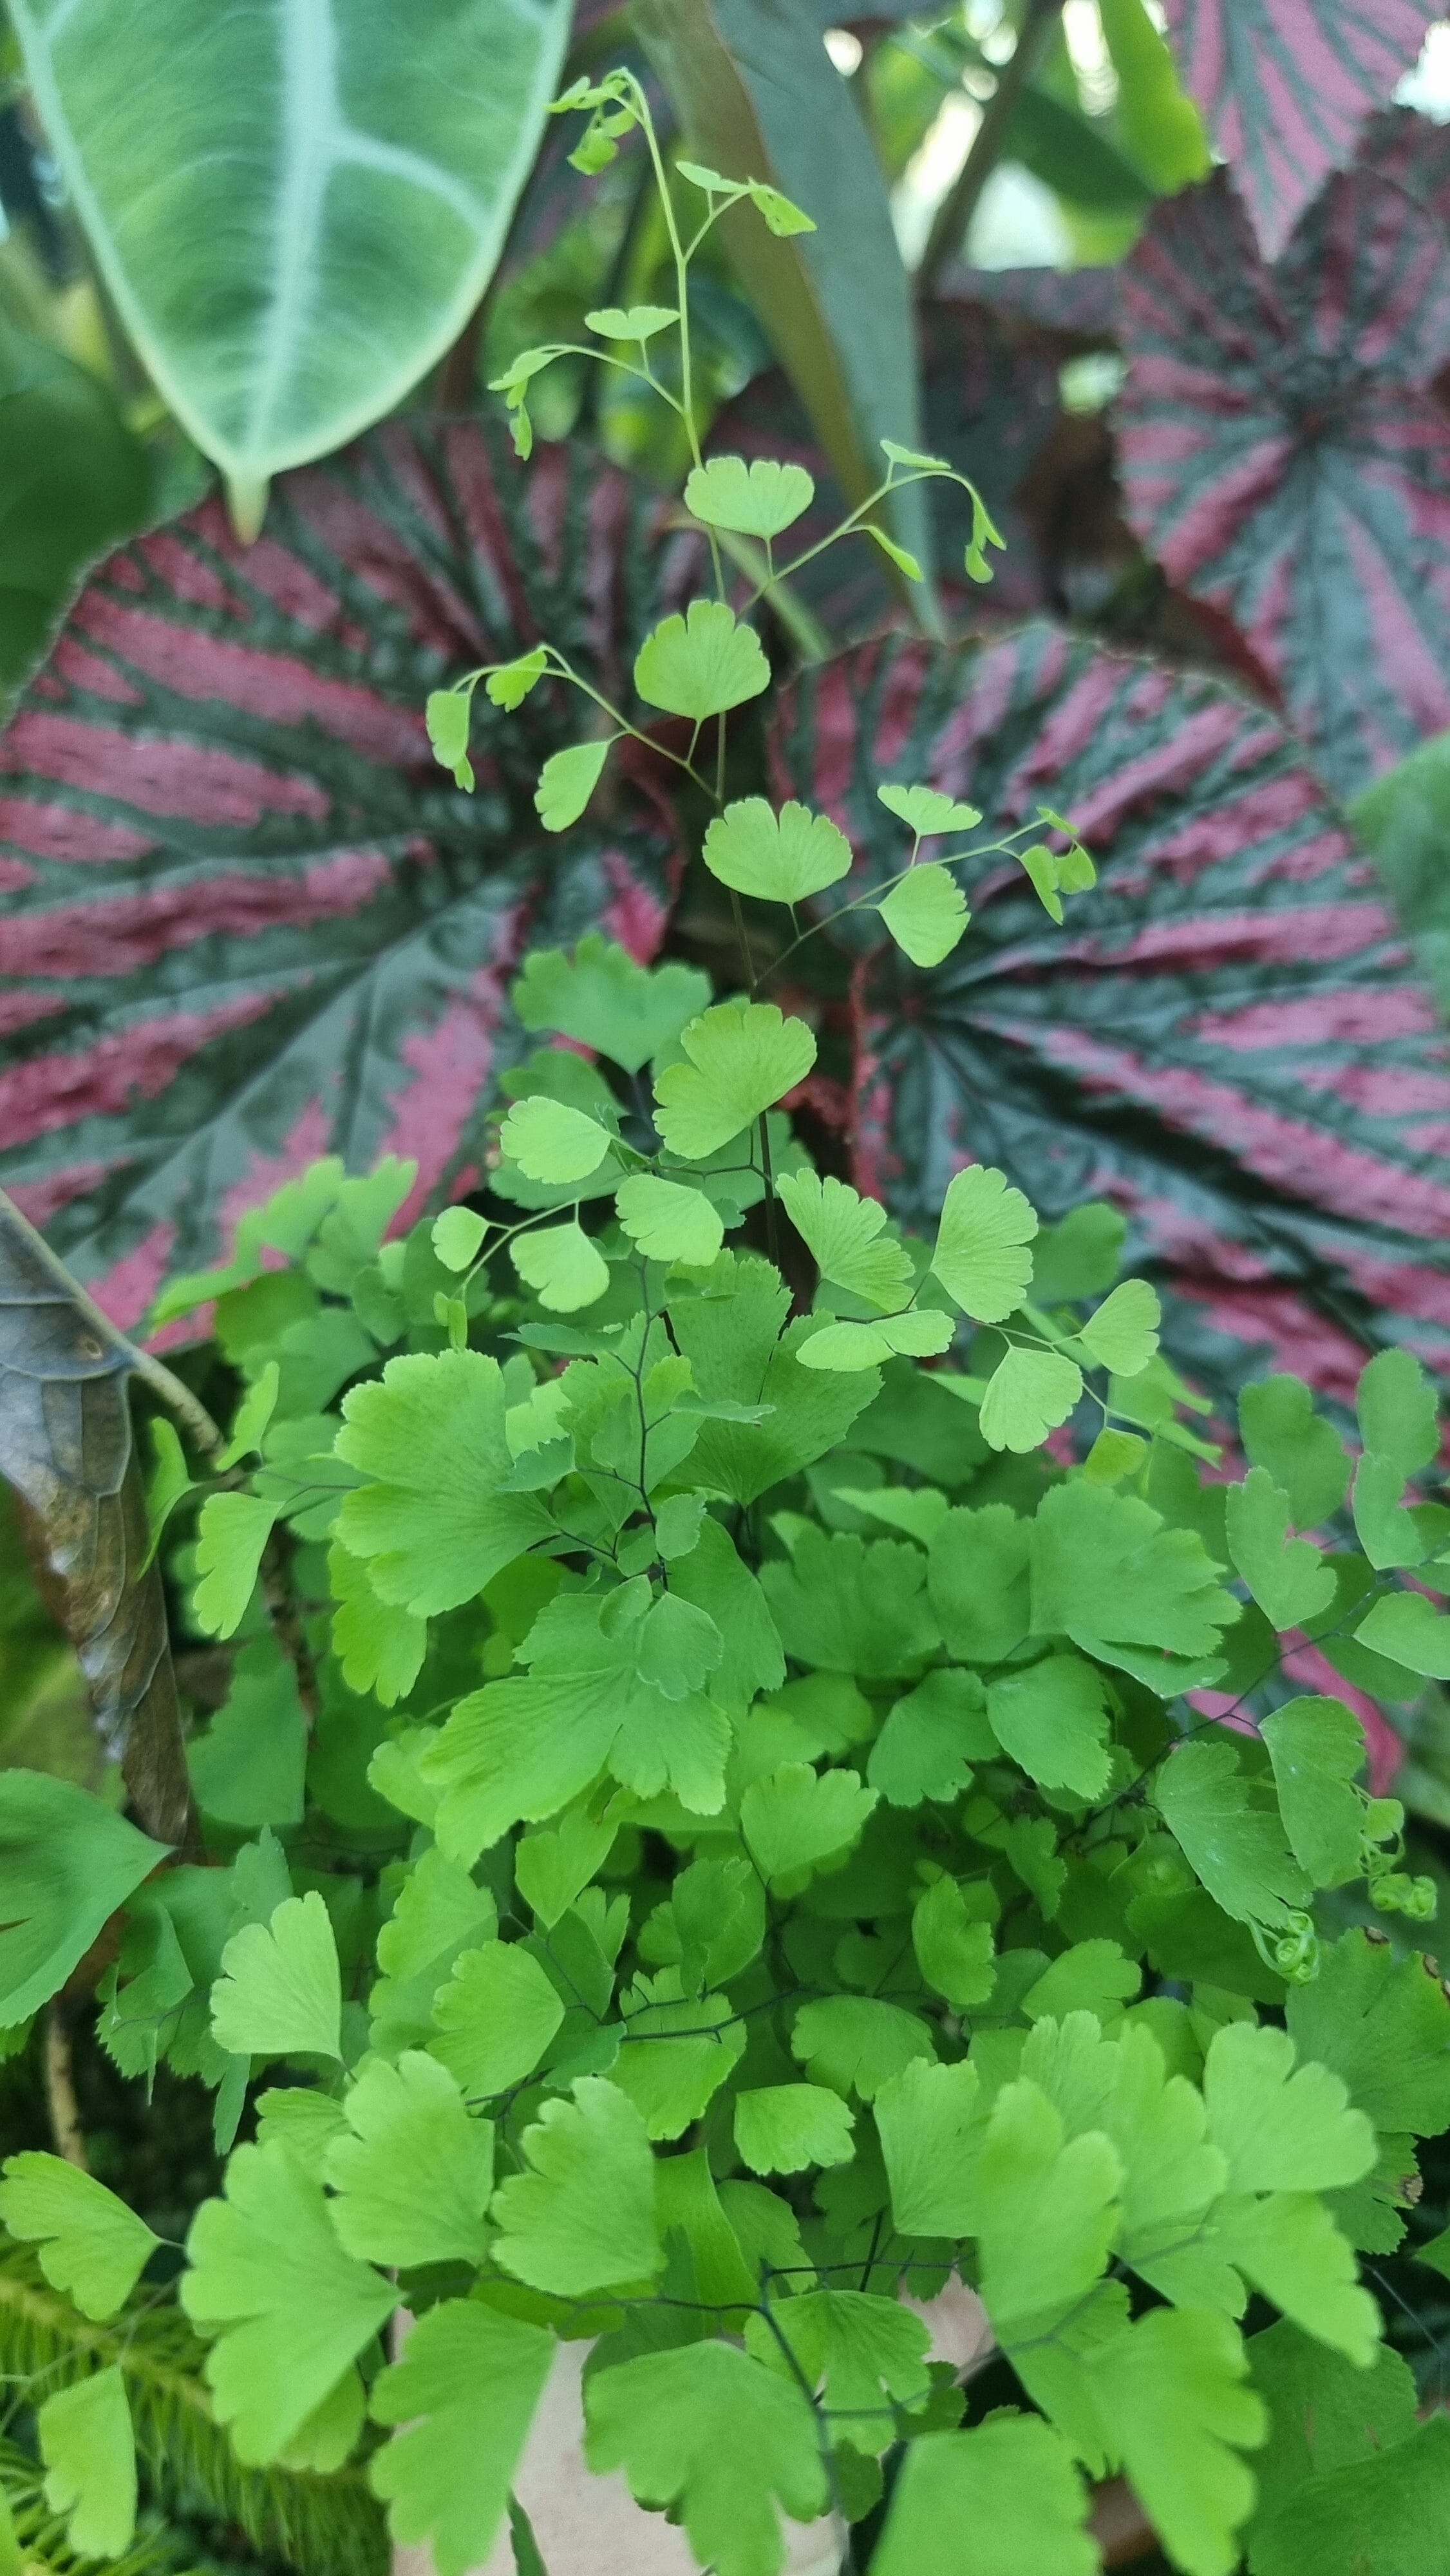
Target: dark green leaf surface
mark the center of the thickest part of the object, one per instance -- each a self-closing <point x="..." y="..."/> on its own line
<point x="1224" y="1039"/>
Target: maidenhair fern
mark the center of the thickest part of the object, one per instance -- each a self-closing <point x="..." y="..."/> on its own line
<point x="329" y="2526"/>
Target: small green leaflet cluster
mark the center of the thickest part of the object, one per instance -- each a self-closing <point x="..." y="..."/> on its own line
<point x="702" y="665"/>
<point x="746" y="1853"/>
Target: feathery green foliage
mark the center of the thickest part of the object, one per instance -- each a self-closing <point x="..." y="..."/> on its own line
<point x="763" y="1849"/>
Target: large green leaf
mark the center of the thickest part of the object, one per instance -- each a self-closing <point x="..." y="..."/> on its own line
<point x="248" y="918"/>
<point x="72" y="480"/>
<point x="295" y="209"/>
<point x="759" y="98"/>
<point x="1224" y="1039"/>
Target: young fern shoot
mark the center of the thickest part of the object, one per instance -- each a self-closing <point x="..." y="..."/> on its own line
<point x="704" y="665"/>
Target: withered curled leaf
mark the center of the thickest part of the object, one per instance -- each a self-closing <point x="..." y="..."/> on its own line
<point x="67" y="1447"/>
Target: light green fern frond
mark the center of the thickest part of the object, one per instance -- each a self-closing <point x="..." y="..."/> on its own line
<point x="41" y="2534"/>
<point x="324" y="2526"/>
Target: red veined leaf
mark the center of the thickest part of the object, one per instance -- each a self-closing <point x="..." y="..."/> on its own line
<point x="1281" y="452"/>
<point x="1225" y="1037"/>
<point x="1286" y="85"/>
<point x="249" y="920"/>
<point x="989" y="405"/>
<point x="1081" y="303"/>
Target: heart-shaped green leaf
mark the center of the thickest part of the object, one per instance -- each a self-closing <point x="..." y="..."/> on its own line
<point x="780" y="857"/>
<point x="846" y="1234"/>
<point x="701" y="664"/>
<point x="562" y="1266"/>
<point x="981" y="1255"/>
<point x="925" y="810"/>
<point x="761" y="499"/>
<point x="1123" y="1333"/>
<point x="741" y="1057"/>
<point x="549" y="1141"/>
<point x="567" y="781"/>
<point x="290" y="143"/>
<point x="926" y="914"/>
<point x="1028" y="1394"/>
<point x="669" y="1222"/>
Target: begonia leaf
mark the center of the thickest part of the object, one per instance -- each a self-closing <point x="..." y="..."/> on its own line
<point x="1286" y="86"/>
<point x="259" y="834"/>
<point x="1273" y="495"/>
<point x="1052" y="1056"/>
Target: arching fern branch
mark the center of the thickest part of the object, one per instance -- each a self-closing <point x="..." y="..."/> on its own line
<point x="327" y="2526"/>
<point x="41" y="2534"/>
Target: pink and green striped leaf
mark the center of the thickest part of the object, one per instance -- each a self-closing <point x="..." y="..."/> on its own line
<point x="1225" y="1037"/>
<point x="248" y="919"/>
<point x="1285" y="86"/>
<point x="1284" y="452"/>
